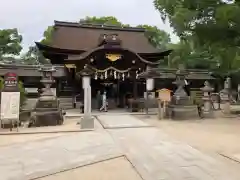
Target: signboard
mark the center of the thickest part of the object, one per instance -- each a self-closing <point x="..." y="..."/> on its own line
<point x="10" y="81"/>
<point x="10" y="104"/>
<point x="164" y="94"/>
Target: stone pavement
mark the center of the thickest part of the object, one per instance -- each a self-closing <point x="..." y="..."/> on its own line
<point x="153" y="154"/>
<point x="120" y="121"/>
<point x="36" y="159"/>
<point x="114" y="169"/>
<point x="76" y="113"/>
<point x="157" y="157"/>
<point x="69" y="125"/>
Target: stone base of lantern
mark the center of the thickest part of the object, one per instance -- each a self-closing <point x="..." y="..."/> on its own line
<point x="87" y="122"/>
<point x="183" y="112"/>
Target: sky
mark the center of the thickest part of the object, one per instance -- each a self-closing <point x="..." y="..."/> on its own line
<point x="32" y="17"/>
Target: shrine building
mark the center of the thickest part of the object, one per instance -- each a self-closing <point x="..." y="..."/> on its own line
<point x="116" y="54"/>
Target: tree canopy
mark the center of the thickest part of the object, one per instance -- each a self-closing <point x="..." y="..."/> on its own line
<point x="10" y="42"/>
<point x="34" y="56"/>
<point x="210" y="27"/>
<point x="47" y="36"/>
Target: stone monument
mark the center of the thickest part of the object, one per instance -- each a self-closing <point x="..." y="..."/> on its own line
<point x="225" y="96"/>
<point x="181" y="107"/>
<point x="47" y="111"/>
<point x="207" y="111"/>
<point x="10" y="101"/>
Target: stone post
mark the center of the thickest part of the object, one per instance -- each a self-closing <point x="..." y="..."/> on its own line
<point x="226" y="96"/>
<point x="207" y="104"/>
<point x="87" y="121"/>
<point x="149" y="87"/>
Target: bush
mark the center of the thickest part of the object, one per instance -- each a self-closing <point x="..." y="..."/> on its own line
<point x="1" y="83"/>
<point x="22" y="93"/>
<point x="21" y="89"/>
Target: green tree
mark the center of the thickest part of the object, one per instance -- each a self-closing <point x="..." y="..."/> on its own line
<point x="47" y="36"/>
<point x="105" y="20"/>
<point x="158" y="38"/>
<point x="10" y="42"/>
<point x="213" y="26"/>
<point x="34" y="56"/>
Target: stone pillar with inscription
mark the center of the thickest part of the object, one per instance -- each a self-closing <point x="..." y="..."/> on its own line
<point x="87" y="121"/>
<point x="207" y="104"/>
<point x="10" y="101"/>
<point x="226" y="96"/>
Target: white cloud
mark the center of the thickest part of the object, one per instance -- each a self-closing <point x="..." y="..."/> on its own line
<point x="32" y="17"/>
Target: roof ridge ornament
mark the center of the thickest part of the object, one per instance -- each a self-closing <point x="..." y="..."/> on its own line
<point x="111" y="39"/>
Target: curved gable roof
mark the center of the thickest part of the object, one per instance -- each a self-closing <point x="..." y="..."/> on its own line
<point x="77" y="36"/>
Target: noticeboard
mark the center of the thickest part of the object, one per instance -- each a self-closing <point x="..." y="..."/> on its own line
<point x="10" y="104"/>
<point x="164" y="94"/>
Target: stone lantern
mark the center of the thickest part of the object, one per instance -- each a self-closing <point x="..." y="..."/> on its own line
<point x="149" y="75"/>
<point x="87" y="122"/>
<point x="47" y="111"/>
<point x="180" y="96"/>
<point x="207" y="104"/>
<point x="181" y="107"/>
<point x="47" y="79"/>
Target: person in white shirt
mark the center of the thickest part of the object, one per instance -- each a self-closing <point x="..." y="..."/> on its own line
<point x="104" y="102"/>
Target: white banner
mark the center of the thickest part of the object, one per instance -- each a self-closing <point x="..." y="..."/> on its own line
<point x="10" y="104"/>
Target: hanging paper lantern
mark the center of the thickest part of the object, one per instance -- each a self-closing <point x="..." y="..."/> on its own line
<point x="115" y="75"/>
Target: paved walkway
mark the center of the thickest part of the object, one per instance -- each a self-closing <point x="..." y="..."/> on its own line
<point x="36" y="159"/>
<point x="154" y="155"/>
<point x="157" y="157"/>
<point x="120" y="121"/>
